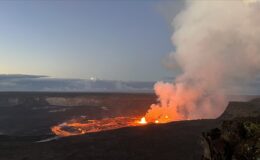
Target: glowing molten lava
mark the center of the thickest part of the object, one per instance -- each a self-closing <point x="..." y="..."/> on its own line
<point x="142" y="121"/>
<point x="83" y="126"/>
<point x="155" y="119"/>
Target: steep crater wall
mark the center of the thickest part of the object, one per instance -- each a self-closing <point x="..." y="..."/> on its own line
<point x="242" y="109"/>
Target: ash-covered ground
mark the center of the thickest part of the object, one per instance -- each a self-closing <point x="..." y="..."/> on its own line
<point x="26" y="118"/>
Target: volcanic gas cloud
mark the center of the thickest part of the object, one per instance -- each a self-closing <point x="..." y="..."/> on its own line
<point x="217" y="47"/>
<point x="218" y="50"/>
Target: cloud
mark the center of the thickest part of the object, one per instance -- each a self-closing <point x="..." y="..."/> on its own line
<point x="19" y="76"/>
<point x="21" y="82"/>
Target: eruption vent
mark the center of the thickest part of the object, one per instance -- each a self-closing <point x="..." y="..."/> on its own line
<point x="143" y="121"/>
<point x="218" y="49"/>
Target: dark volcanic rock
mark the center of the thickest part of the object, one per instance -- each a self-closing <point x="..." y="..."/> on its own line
<point x="237" y="139"/>
<point x="177" y="140"/>
<point x="242" y="109"/>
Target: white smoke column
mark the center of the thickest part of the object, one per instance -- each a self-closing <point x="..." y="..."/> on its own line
<point x="217" y="43"/>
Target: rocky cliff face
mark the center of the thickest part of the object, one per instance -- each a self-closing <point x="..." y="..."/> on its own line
<point x="242" y="109"/>
<point x="238" y="138"/>
<point x="75" y="99"/>
<point x="9" y="102"/>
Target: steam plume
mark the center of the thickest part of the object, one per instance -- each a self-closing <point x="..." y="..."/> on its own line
<point x="217" y="43"/>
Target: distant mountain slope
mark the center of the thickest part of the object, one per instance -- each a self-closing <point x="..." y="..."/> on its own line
<point x="242" y="109"/>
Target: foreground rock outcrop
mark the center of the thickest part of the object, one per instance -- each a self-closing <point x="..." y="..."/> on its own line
<point x="238" y="138"/>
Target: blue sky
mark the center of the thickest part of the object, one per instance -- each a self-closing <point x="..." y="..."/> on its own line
<point x="114" y="40"/>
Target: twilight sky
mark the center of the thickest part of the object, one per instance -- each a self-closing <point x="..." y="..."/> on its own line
<point x="114" y="40"/>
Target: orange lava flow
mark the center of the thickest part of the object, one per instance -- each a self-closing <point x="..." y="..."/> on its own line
<point x="81" y="126"/>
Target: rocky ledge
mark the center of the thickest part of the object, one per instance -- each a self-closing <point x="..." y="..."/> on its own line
<point x="238" y="137"/>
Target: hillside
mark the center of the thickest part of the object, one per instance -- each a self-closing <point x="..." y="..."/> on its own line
<point x="242" y="109"/>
